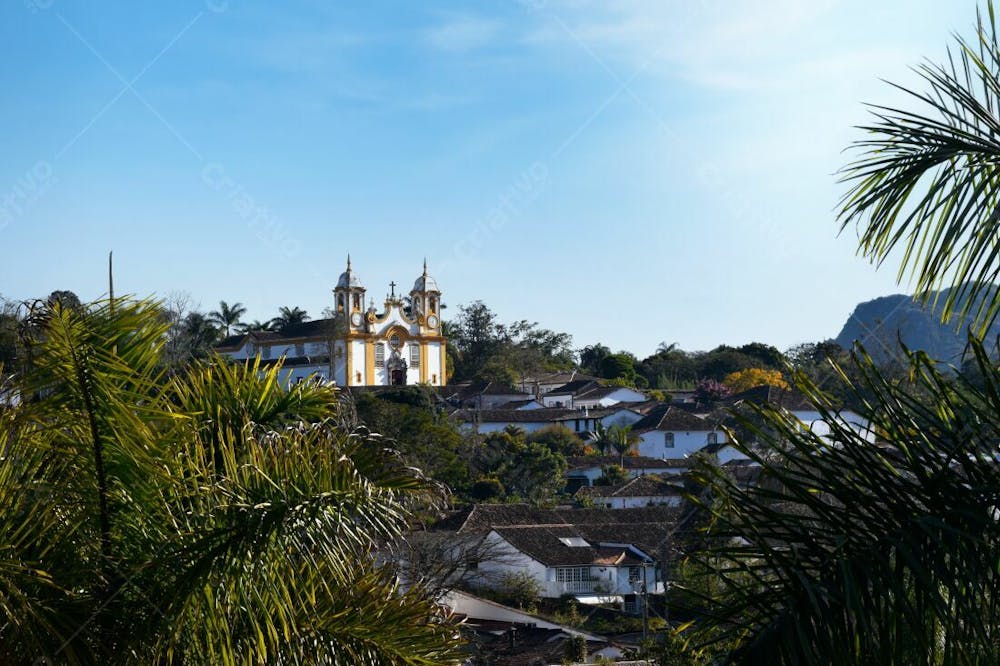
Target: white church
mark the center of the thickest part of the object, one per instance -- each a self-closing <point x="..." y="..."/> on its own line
<point x="359" y="346"/>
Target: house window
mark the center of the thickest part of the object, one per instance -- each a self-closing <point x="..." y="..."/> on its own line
<point x="572" y="574"/>
<point x="414" y="356"/>
<point x="634" y="574"/>
<point x="713" y="438"/>
<point x="265" y="351"/>
<point x="380" y="355"/>
<point x="668" y="440"/>
<point x="300" y="350"/>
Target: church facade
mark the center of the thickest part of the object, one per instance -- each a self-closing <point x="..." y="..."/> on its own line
<point x="359" y="346"/>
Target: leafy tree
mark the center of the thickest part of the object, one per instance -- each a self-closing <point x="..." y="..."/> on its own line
<point x="559" y="439"/>
<point x="211" y="516"/>
<point x="743" y="380"/>
<point x="765" y="355"/>
<point x="487" y="488"/>
<point x="529" y="471"/>
<point x="227" y="317"/>
<point x="423" y="436"/>
<point x="591" y="357"/>
<point x="722" y="361"/>
<point x="618" y="366"/>
<point x="477" y="336"/>
<point x="66" y="299"/>
<point x="611" y="475"/>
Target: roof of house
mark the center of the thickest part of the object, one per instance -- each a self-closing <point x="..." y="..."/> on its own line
<point x="517" y="404"/>
<point x="478" y="518"/>
<point x="574" y="387"/>
<point x="317" y="328"/>
<point x="628" y="462"/>
<point x="793" y="401"/>
<point x="548" y="545"/>
<point x="560" y="378"/>
<point x="543" y="415"/>
<point x="646" y="485"/>
<point x="670" y="418"/>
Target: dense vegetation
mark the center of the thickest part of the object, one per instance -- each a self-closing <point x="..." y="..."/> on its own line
<point x="205" y="516"/>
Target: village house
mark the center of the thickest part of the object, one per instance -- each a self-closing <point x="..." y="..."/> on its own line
<point x="639" y="491"/>
<point x="596" y="555"/>
<point x="585" y="470"/>
<point x="669" y="431"/>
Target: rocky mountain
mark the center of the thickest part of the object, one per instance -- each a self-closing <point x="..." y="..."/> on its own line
<point x="879" y="323"/>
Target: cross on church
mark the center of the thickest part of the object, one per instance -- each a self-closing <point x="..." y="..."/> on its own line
<point x="392" y="290"/>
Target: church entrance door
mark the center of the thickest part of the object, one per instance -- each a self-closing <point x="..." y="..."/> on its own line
<point x="397" y="370"/>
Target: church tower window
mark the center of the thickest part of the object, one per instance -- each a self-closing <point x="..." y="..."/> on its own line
<point x="357" y="301"/>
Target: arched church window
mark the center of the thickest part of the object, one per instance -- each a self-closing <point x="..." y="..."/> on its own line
<point x="433" y="305"/>
<point x="357" y="301"/>
<point x="340" y="303"/>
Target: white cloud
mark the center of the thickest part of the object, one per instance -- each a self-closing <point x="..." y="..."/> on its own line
<point x="464" y="33"/>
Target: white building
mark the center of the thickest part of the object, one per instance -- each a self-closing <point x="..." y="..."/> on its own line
<point x="672" y="432"/>
<point x="401" y="345"/>
<point x="637" y="492"/>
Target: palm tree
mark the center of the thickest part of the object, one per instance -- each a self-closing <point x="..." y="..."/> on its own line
<point x="213" y="516"/>
<point x="255" y="326"/>
<point x="623" y="441"/>
<point x="227" y="317"/>
<point x="852" y="553"/>
<point x="289" y="317"/>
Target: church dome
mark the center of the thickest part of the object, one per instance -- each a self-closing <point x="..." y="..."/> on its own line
<point x="349" y="279"/>
<point x="425" y="282"/>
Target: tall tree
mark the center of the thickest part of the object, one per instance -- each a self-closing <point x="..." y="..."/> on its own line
<point x="289" y="317"/>
<point x="227" y="317"/>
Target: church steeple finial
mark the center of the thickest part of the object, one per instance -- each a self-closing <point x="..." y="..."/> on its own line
<point x="348" y="261"/>
<point x="425" y="266"/>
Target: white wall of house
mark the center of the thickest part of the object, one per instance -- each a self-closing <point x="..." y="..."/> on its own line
<point x="509" y="560"/>
<point x="655" y="443"/>
<point x="813" y="421"/>
<point x="561" y="400"/>
<point x="622" y="395"/>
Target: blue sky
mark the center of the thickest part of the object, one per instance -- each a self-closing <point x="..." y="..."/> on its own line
<point x="630" y="172"/>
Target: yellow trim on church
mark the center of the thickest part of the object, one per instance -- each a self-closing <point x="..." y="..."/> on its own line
<point x="423" y="362"/>
<point x="370" y="361"/>
<point x="348" y="362"/>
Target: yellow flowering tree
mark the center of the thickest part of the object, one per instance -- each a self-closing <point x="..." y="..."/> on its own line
<point x="744" y="380"/>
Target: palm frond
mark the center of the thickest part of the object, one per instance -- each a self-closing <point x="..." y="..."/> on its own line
<point x="847" y="552"/>
<point x="928" y="181"/>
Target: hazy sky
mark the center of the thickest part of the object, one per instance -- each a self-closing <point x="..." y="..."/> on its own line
<point x="630" y="172"/>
